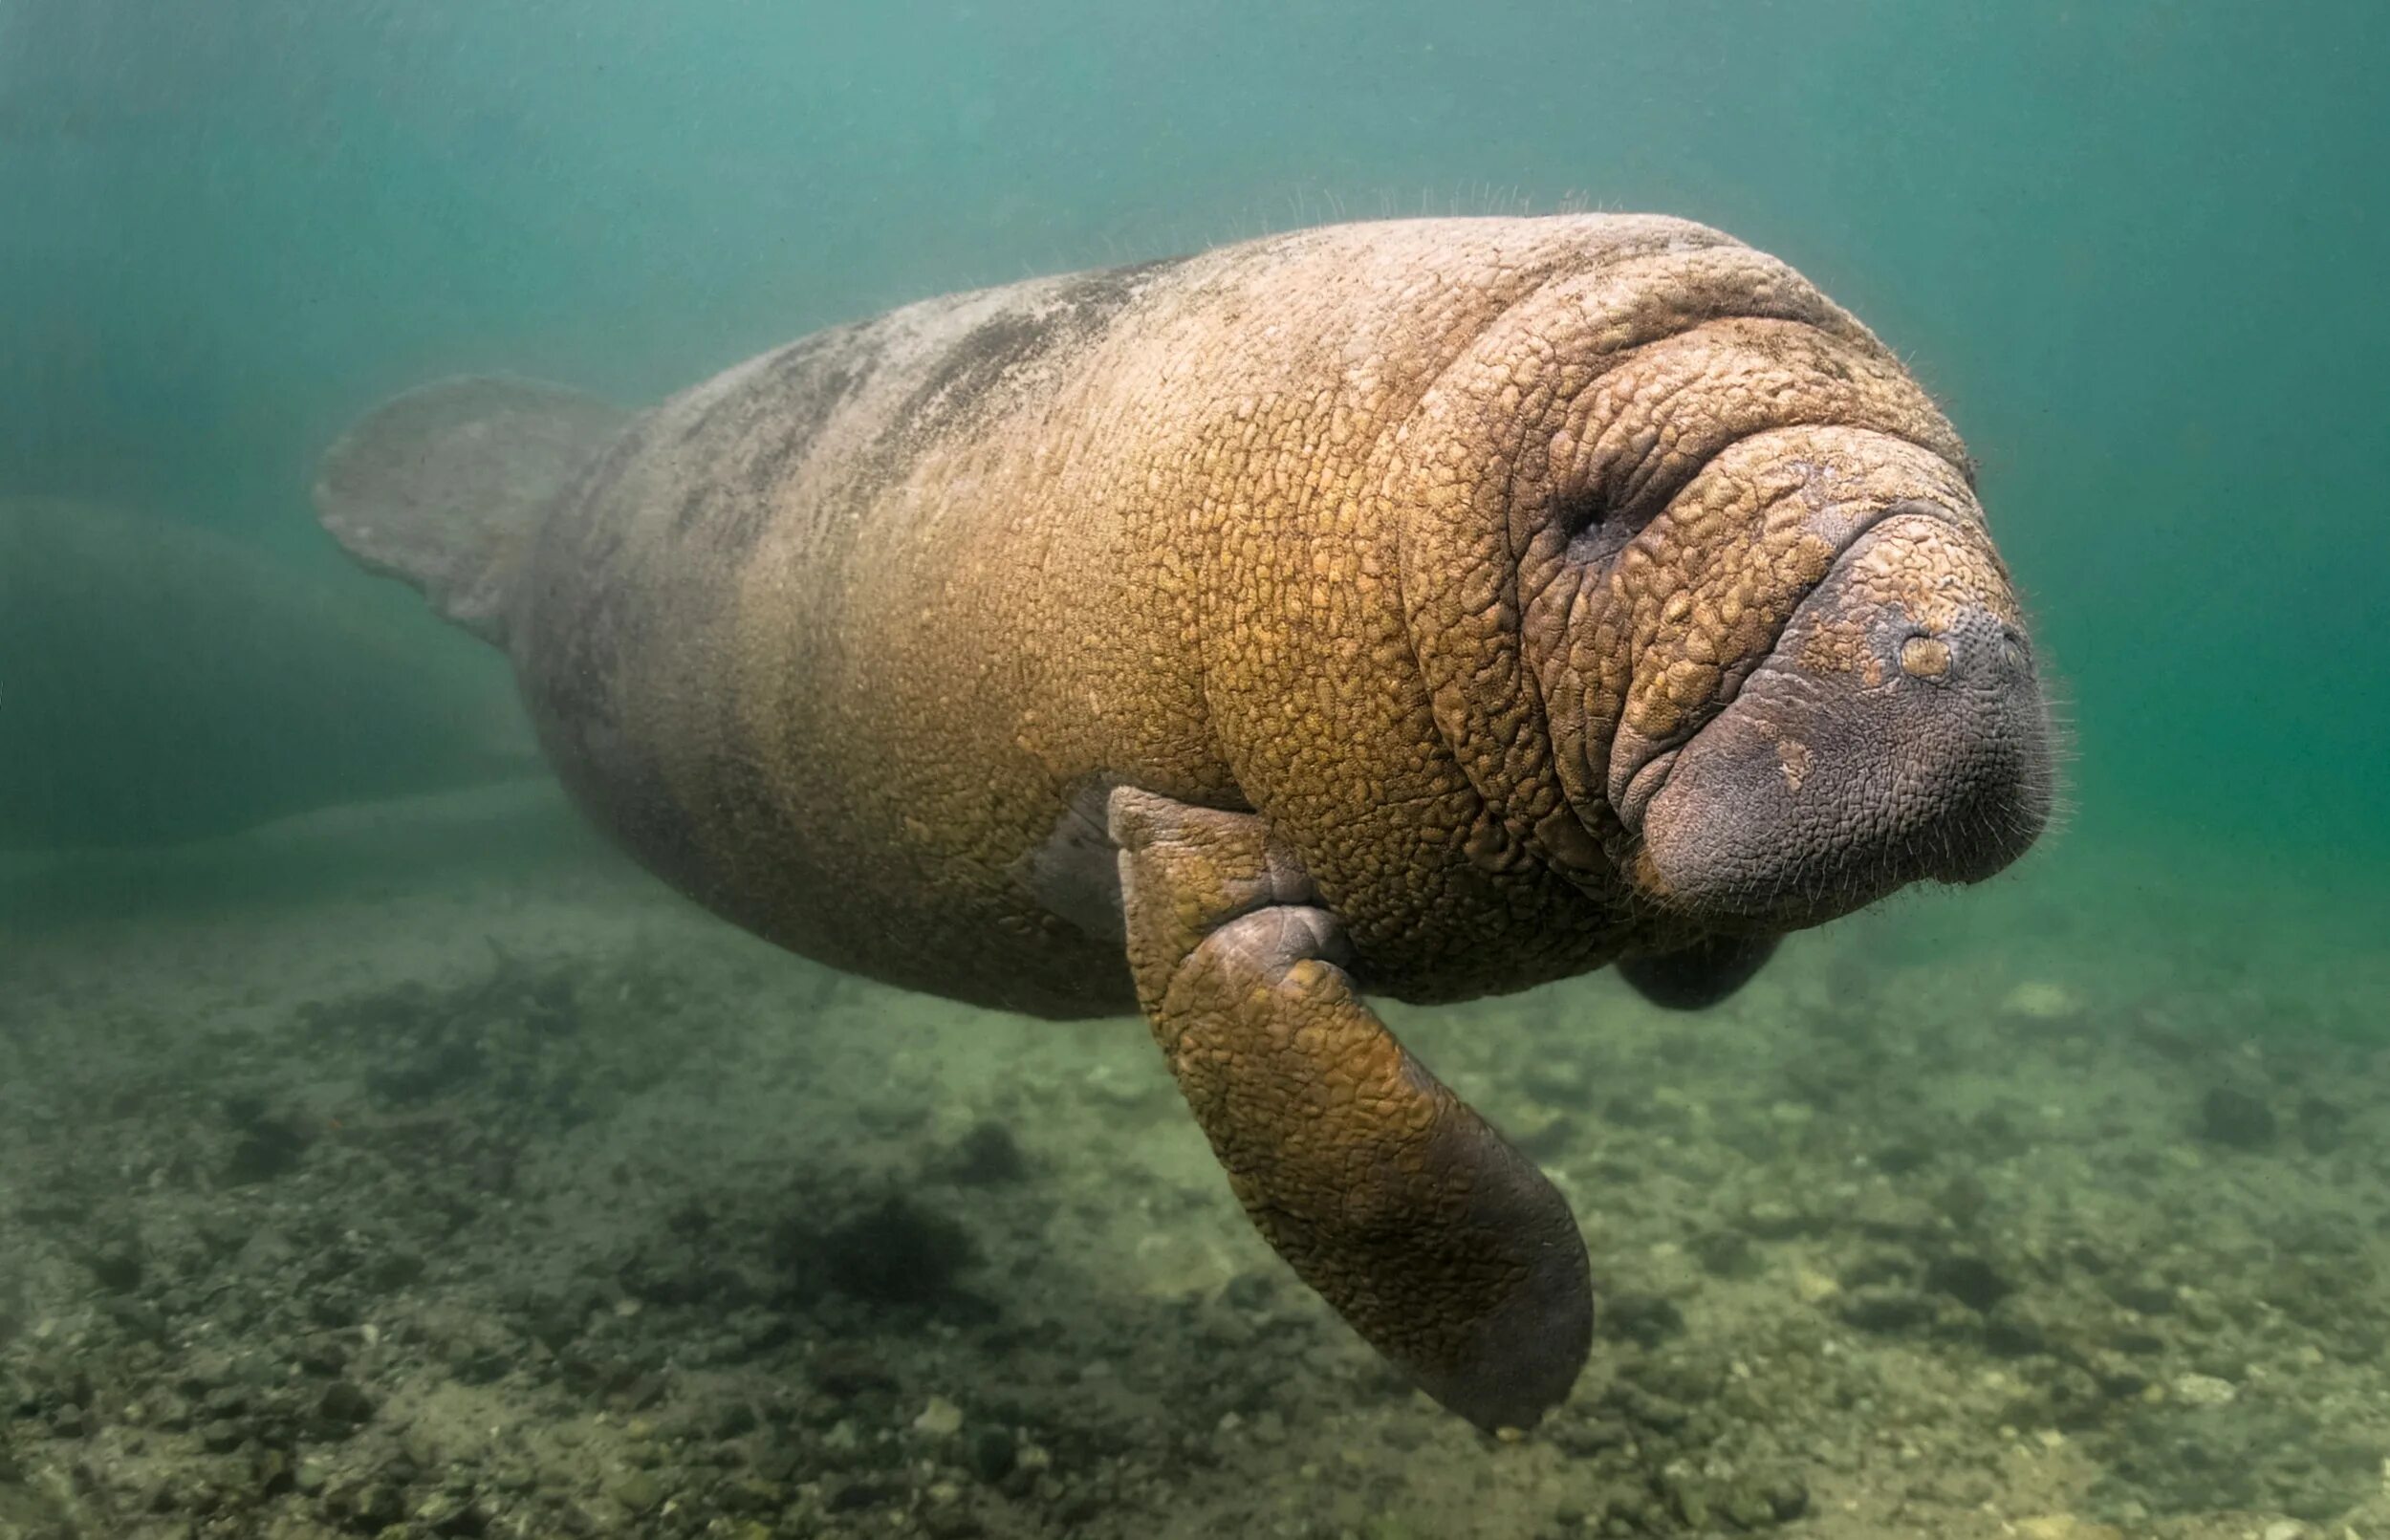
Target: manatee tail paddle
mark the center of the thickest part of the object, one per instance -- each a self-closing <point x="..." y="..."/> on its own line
<point x="444" y="487"/>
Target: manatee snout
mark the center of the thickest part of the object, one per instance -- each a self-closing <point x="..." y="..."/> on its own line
<point x="1896" y="732"/>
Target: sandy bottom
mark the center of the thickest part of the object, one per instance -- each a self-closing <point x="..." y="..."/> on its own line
<point x="426" y="1171"/>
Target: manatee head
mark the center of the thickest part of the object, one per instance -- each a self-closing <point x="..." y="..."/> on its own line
<point x="1707" y="604"/>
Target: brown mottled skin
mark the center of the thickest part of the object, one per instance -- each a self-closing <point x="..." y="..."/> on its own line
<point x="1431" y="608"/>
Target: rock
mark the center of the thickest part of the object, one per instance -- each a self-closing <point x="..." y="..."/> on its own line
<point x="446" y="1513"/>
<point x="778" y="1462"/>
<point x="394" y="1269"/>
<point x="2065" y="1527"/>
<point x="1647" y="1320"/>
<point x="2117" y="1375"/>
<point x="1660" y="1413"/>
<point x="864" y="1492"/>
<point x="985" y="1157"/>
<point x="1787" y="1495"/>
<point x="2322" y="1125"/>
<point x="1887" y="1308"/>
<point x="1690" y="1497"/>
<point x="267" y="1145"/>
<point x="117" y="1266"/>
<point x="1588" y="1437"/>
<point x="993" y="1454"/>
<point x="847" y="1370"/>
<point x="2142" y="1293"/>
<point x="1739" y="1505"/>
<point x="1970" y="1280"/>
<point x="2236" y="1119"/>
<point x="638" y="1492"/>
<point x="555" y="1319"/>
<point x="1541" y="1134"/>
<point x="896" y="1255"/>
<point x="270" y="1474"/>
<point x="345" y="1404"/>
<point x="1962" y="1200"/>
<point x="367" y="1504"/>
<point x="953" y="1524"/>
<point x="941" y="1418"/>
<point x="1568" y="1084"/>
<point x="1902" y="1157"/>
<point x="1771" y="1219"/>
<point x="1725" y="1254"/>
<point x="752" y="1494"/>
<point x="2015" y="1327"/>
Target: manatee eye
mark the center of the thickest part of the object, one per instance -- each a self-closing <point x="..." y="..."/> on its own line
<point x="1594" y="536"/>
<point x="1924" y="656"/>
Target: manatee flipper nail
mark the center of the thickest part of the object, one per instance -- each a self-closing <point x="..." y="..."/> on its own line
<point x="1698" y="976"/>
<point x="1439" y="1244"/>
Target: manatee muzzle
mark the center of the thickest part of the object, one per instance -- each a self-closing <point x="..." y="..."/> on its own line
<point x="1896" y="732"/>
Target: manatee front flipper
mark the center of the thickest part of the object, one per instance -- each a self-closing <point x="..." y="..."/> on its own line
<point x="1700" y="975"/>
<point x="1445" y="1247"/>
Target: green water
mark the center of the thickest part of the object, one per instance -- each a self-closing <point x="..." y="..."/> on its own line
<point x="2136" y="248"/>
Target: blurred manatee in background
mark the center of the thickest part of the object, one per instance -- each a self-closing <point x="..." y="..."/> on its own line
<point x="160" y="683"/>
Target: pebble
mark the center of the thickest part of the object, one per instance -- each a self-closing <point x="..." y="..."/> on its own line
<point x="1773" y="1220"/>
<point x="1882" y="1307"/>
<point x="2065" y="1527"/>
<point x="638" y="1492"/>
<point x="993" y="1454"/>
<point x="941" y="1418"/>
<point x="344" y="1402"/>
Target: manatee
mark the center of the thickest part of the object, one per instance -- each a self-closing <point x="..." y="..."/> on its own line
<point x="1411" y="609"/>
<point x="160" y="683"/>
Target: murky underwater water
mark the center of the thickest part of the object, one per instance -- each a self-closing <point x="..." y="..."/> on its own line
<point x="381" y="1153"/>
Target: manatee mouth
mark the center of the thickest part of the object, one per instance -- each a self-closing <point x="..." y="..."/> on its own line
<point x="1644" y="783"/>
<point x="1895" y="733"/>
<point x="1640" y="766"/>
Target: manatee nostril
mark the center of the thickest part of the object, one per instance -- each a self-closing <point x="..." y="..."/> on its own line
<point x="1924" y="656"/>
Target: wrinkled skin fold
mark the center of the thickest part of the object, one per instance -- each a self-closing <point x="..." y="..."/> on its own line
<point x="1426" y="609"/>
